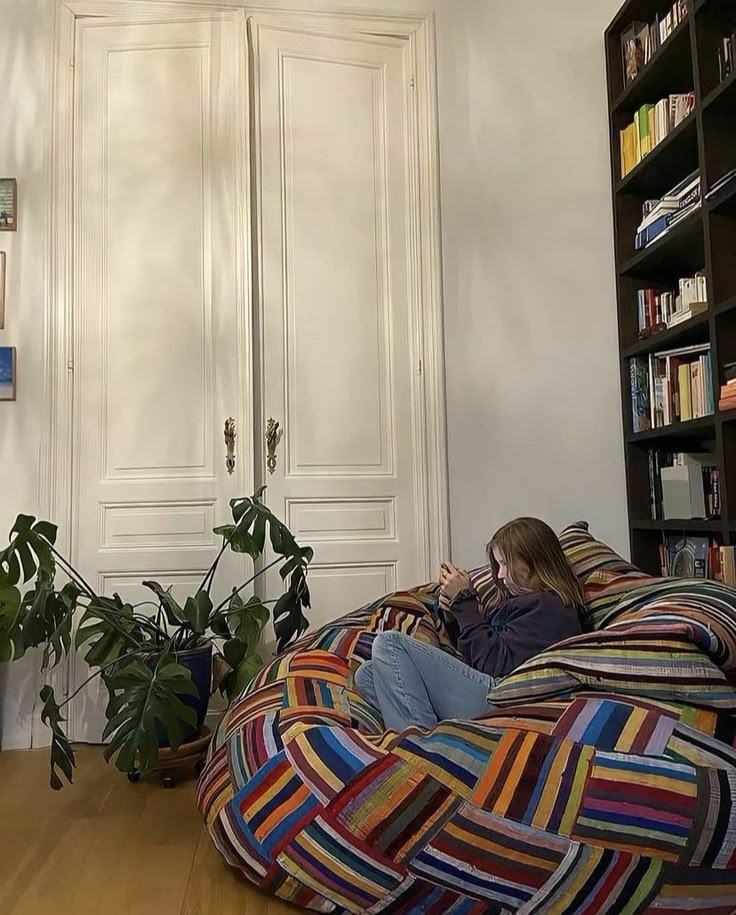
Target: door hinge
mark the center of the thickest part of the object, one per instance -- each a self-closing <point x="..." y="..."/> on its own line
<point x="421" y="367"/>
<point x="71" y="63"/>
<point x="70" y="366"/>
<point x="412" y="83"/>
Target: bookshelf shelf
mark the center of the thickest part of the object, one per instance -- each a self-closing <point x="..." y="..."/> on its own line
<point x="694" y="428"/>
<point x="725" y="307"/>
<point x="671" y="62"/>
<point x="693" y="331"/>
<point x="667" y="163"/>
<point x="692" y="525"/>
<point x="683" y="246"/>
<point x="702" y="242"/>
<point x="723" y="98"/>
<point x="724" y="201"/>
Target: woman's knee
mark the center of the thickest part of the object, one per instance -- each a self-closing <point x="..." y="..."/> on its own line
<point x="386" y="644"/>
<point x="364" y="676"/>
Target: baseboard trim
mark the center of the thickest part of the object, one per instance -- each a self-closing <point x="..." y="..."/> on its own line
<point x="20" y="740"/>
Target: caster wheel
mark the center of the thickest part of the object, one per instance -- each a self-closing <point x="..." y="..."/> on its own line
<point x="168" y="781"/>
<point x="199" y="767"/>
<point x="134" y="776"/>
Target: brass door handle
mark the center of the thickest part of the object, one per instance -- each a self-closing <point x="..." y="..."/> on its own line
<point x="274" y="434"/>
<point x="230" y="436"/>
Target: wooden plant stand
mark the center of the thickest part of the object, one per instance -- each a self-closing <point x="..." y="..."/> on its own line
<point x="188" y="756"/>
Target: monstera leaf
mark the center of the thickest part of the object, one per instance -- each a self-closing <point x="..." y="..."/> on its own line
<point x="12" y="644"/>
<point x="62" y="754"/>
<point x="29" y="549"/>
<point x="244" y="666"/>
<point x="145" y="704"/>
<point x="197" y="611"/>
<point x="247" y="620"/>
<point x="289" y="620"/>
<point x="110" y="629"/>
<point x="174" y="613"/>
<point x="238" y="538"/>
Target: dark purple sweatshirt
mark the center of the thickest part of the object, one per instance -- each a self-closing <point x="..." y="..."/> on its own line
<point x="519" y="629"/>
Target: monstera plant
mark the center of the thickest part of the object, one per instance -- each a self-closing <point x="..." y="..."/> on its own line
<point x="148" y="655"/>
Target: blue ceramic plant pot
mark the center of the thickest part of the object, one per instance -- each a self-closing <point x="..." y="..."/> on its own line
<point x="198" y="661"/>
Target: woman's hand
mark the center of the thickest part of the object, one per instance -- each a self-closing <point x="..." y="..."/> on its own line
<point x="453" y="580"/>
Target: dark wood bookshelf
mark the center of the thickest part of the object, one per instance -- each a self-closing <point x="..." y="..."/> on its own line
<point x="682" y="247"/>
<point x="724" y="307"/>
<point x="723" y="97"/>
<point x="696" y="330"/>
<point x="704" y="241"/>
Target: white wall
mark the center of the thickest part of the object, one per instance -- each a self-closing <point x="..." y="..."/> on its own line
<point x="25" y="35"/>
<point x="533" y="394"/>
<point x="532" y="379"/>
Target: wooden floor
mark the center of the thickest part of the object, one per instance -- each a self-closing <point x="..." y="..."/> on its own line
<point x="106" y="846"/>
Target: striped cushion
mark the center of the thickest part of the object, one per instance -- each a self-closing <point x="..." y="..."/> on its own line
<point x="589" y="557"/>
<point x="667" y="640"/>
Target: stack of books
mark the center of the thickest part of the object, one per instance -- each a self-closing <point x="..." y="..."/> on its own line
<point x="659" y="310"/>
<point x="641" y="40"/>
<point x="659" y="216"/>
<point x="651" y="124"/>
<point x="683" y="486"/>
<point x="727" y="56"/>
<point x="728" y="390"/>
<point x="673" y="386"/>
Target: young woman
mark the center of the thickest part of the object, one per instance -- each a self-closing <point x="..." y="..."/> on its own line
<point x="414" y="683"/>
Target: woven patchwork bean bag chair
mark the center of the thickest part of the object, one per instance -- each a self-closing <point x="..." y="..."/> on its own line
<point x="602" y="779"/>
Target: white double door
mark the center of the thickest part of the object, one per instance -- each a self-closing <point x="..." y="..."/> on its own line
<point x="241" y="251"/>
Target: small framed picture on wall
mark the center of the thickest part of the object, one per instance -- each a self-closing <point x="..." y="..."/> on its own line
<point x="2" y="290"/>
<point x="7" y="373"/>
<point x="8" y="205"/>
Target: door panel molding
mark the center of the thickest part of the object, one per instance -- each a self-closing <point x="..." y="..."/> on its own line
<point x="425" y="271"/>
<point x="56" y="455"/>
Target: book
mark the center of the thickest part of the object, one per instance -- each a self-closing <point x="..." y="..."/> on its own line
<point x="651" y="124"/>
<point x="726" y="56"/>
<point x="640" y="396"/>
<point x="659" y="309"/>
<point x="728" y="565"/>
<point x="633" y="49"/>
<point x="727" y="399"/>
<point x="687" y="557"/>
<point x="659" y="217"/>
<point x="640" y="41"/>
<point x="686" y="410"/>
<point x="678" y="385"/>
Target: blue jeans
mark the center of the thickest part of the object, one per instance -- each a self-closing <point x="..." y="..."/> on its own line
<point x="413" y="683"/>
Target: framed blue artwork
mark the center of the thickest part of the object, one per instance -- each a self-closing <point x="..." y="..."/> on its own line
<point x="7" y="373"/>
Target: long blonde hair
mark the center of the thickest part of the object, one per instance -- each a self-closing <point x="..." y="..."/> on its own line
<point x="534" y="543"/>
